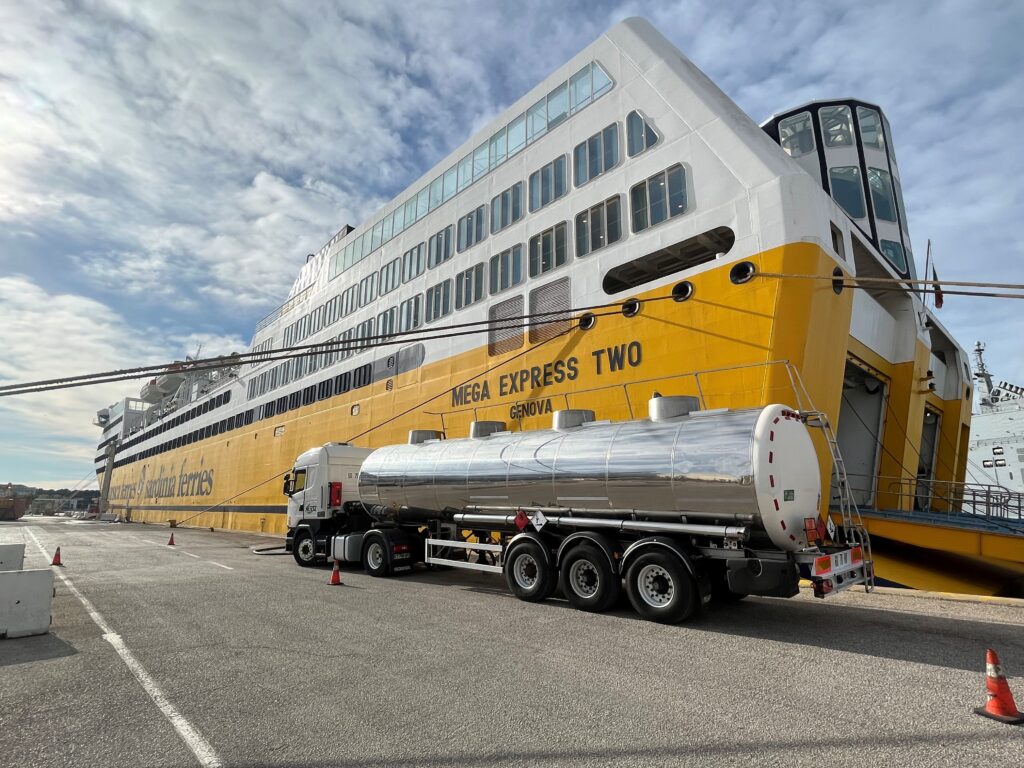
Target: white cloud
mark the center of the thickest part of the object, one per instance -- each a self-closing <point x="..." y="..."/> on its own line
<point x="47" y="335"/>
<point x="177" y="160"/>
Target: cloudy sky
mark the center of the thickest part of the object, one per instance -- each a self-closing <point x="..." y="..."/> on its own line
<point x="165" y="166"/>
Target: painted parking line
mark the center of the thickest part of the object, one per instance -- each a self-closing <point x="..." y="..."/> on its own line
<point x="220" y="565"/>
<point x="193" y="739"/>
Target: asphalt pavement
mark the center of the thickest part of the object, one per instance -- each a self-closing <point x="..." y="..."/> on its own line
<point x="207" y="654"/>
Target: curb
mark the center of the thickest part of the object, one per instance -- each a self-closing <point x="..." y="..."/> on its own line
<point x="955" y="597"/>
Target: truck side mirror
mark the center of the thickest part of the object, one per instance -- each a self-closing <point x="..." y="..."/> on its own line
<point x="286" y="489"/>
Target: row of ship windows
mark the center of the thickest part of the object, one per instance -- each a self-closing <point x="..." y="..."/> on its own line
<point x="796" y="133"/>
<point x="653" y="201"/>
<point x="592" y="158"/>
<point x="185" y="416"/>
<point x="569" y="97"/>
<point x="335" y="385"/>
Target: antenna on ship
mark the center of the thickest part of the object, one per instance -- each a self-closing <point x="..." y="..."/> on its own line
<point x="981" y="372"/>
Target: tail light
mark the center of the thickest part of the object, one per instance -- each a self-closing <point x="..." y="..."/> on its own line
<point x="400" y="549"/>
<point x="335" y="493"/>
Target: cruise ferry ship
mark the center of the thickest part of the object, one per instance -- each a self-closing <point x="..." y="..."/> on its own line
<point x="622" y="229"/>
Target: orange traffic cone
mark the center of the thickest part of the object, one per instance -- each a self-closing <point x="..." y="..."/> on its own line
<point x="170" y="541"/>
<point x="335" y="576"/>
<point x="1000" y="705"/>
<point x="56" y="558"/>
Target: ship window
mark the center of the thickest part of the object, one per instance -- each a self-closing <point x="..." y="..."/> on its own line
<point x="360" y="378"/>
<point x="436" y="192"/>
<point x="472" y="229"/>
<point x="480" y="161"/>
<point x="465" y="172"/>
<point x="847" y="189"/>
<point x="893" y="251"/>
<point x="598" y="227"/>
<point x="507" y="208"/>
<point x="1000" y="462"/>
<point x="342" y="382"/>
<point x="414" y="261"/>
<point x="548" y="184"/>
<point x="421" y="205"/>
<point x="469" y="286"/>
<point x="639" y="135"/>
<point x="661" y="197"/>
<point x="410" y="313"/>
<point x="449" y="184"/>
<point x="506" y="269"/>
<point x="596" y="155"/>
<point x="667" y="261"/>
<point x="558" y="105"/>
<point x="367" y="290"/>
<point x="837" y="242"/>
<point x="537" y="120"/>
<point x="325" y="389"/>
<point x="870" y="128"/>
<point x="363" y="332"/>
<point x="390" y="277"/>
<point x="551" y="298"/>
<point x="836" y="126"/>
<point x="547" y="250"/>
<point x="282" y="403"/>
<point x="503" y="335"/>
<point x="439" y="247"/>
<point x="796" y="135"/>
<point x="516" y="135"/>
<point x="387" y="323"/>
<point x="997" y="451"/>
<point x="881" y="194"/>
<point x="439" y="300"/>
<point x="498" y="148"/>
<point x="309" y="395"/>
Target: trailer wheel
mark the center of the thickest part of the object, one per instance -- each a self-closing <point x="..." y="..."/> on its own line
<point x="661" y="588"/>
<point x="587" y="579"/>
<point x="375" y="557"/>
<point x="528" y="573"/>
<point x="304" y="549"/>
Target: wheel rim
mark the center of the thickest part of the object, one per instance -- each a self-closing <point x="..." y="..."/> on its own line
<point x="525" y="571"/>
<point x="375" y="556"/>
<point x="655" y="586"/>
<point x="584" y="578"/>
<point x="306" y="552"/>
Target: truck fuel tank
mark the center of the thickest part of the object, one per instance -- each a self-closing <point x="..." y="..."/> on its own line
<point x="757" y="465"/>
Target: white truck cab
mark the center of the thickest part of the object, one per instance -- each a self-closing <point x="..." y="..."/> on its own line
<point x="323" y="499"/>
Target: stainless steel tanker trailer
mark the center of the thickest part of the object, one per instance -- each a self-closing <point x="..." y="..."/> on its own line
<point x="680" y="508"/>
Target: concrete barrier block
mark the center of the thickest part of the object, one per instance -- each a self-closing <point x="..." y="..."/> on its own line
<point x="25" y="601"/>
<point x="12" y="557"/>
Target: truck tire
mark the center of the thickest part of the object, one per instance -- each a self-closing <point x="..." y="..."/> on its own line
<point x="304" y="549"/>
<point x="587" y="579"/>
<point x="528" y="572"/>
<point x="375" y="556"/>
<point x="661" y="588"/>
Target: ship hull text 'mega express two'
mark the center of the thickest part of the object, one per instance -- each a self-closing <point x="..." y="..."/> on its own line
<point x="621" y="230"/>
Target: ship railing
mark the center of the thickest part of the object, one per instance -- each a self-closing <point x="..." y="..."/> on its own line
<point x="284" y="309"/>
<point x="947" y="497"/>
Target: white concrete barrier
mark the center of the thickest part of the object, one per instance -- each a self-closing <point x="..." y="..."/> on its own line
<point x="25" y="601"/>
<point x="12" y="557"/>
<point x="108" y="517"/>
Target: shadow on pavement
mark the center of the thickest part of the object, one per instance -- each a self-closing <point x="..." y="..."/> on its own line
<point x="23" y="650"/>
<point x="784" y="751"/>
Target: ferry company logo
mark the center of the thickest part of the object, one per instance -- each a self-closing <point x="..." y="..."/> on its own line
<point x="167" y="484"/>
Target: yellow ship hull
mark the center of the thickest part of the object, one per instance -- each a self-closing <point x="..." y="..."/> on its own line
<point x="724" y="345"/>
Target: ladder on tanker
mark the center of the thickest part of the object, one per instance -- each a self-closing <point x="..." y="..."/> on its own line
<point x="854" y="532"/>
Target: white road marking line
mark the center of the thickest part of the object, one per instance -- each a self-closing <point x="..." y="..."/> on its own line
<point x="190" y="555"/>
<point x="228" y="567"/>
<point x="189" y="733"/>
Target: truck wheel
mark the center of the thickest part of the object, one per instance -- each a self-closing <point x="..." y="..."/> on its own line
<point x="661" y="588"/>
<point x="587" y="579"/>
<point x="375" y="557"/>
<point x="304" y="549"/>
<point x="528" y="574"/>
